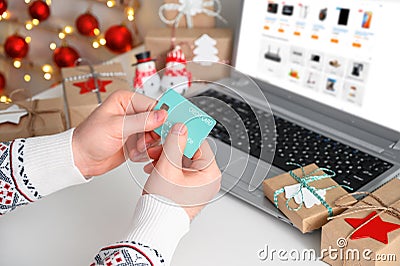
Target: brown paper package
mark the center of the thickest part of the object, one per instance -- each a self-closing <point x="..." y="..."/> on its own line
<point x="81" y="105"/>
<point x="304" y="219"/>
<point x="339" y="228"/>
<point x="199" y="21"/>
<point x="44" y="123"/>
<point x="158" y="42"/>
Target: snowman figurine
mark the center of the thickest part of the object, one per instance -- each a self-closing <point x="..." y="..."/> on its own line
<point x="147" y="80"/>
<point x="176" y="76"/>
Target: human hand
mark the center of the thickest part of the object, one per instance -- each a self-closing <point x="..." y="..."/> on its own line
<point x="189" y="183"/>
<point x="97" y="143"/>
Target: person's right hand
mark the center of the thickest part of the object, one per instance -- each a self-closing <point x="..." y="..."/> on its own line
<point x="189" y="183"/>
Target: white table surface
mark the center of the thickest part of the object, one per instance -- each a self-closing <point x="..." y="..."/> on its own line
<point x="68" y="227"/>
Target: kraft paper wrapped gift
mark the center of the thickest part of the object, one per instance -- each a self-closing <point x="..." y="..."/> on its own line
<point x="79" y="88"/>
<point x="158" y="42"/>
<point x="369" y="228"/>
<point x="46" y="117"/>
<point x="305" y="219"/>
<point x="198" y="20"/>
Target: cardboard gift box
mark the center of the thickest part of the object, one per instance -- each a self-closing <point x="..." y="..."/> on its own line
<point x="199" y="20"/>
<point x="305" y="218"/>
<point x="158" y="42"/>
<point x="368" y="233"/>
<point x="79" y="86"/>
<point x="41" y="117"/>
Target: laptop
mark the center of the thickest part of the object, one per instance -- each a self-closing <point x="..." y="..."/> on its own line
<point x="328" y="94"/>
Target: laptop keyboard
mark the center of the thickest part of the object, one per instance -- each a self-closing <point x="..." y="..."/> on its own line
<point x="292" y="142"/>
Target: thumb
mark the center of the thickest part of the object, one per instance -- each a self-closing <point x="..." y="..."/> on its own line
<point x="174" y="146"/>
<point x="143" y="122"/>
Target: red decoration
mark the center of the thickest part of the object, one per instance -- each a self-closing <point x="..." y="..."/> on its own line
<point x="65" y="56"/>
<point x="118" y="39"/>
<point x="3" y="6"/>
<point x="39" y="10"/>
<point x="86" y="24"/>
<point x="89" y="86"/>
<point x="2" y="83"/>
<point x="376" y="228"/>
<point x="16" y="47"/>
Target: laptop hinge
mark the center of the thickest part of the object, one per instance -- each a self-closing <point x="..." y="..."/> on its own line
<point x="396" y="145"/>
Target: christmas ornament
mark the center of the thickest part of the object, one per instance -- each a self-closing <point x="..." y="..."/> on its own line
<point x="118" y="39"/>
<point x="205" y="52"/>
<point x="176" y="76"/>
<point x="16" y="47"/>
<point x="39" y="10"/>
<point x="375" y="228"/>
<point x="3" y="6"/>
<point x="89" y="86"/>
<point x="86" y="24"/>
<point x="147" y="80"/>
<point x="65" y="56"/>
<point x="2" y="82"/>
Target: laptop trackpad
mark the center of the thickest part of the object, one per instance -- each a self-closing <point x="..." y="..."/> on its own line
<point x="249" y="171"/>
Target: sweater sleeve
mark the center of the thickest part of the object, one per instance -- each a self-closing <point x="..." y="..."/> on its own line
<point x="158" y="226"/>
<point x="35" y="167"/>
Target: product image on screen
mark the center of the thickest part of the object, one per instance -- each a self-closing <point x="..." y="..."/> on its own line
<point x="272" y="8"/>
<point x="366" y="23"/>
<point x="287" y="10"/>
<point x="343" y="16"/>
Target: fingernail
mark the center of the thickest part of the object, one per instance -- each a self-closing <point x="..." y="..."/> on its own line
<point x="179" y="129"/>
<point x="159" y="115"/>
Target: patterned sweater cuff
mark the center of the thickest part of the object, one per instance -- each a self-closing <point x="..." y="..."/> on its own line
<point x="159" y="223"/>
<point x="49" y="163"/>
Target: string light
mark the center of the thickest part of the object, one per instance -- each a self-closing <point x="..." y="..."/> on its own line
<point x="95" y="44"/>
<point x="27" y="77"/>
<point x="27" y="1"/>
<point x="68" y="29"/>
<point x="111" y="3"/>
<point x="47" y="76"/>
<point x="35" y="22"/>
<point x="96" y="32"/>
<point x="28" y="25"/>
<point x="5" y="99"/>
<point x="17" y="63"/>
<point x="102" y="41"/>
<point x="61" y="35"/>
<point x="48" y="2"/>
<point x="28" y="39"/>
<point x="4" y="15"/>
<point x="47" y="68"/>
<point x="53" y="46"/>
<point x="130" y="13"/>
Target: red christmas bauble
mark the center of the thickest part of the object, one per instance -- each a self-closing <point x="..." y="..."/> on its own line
<point x="2" y="82"/>
<point x="118" y="39"/>
<point x="16" y="47"/>
<point x="3" y="6"/>
<point x="65" y="56"/>
<point x="39" y="10"/>
<point x="86" y="24"/>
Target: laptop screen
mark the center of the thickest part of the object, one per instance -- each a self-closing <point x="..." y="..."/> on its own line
<point x="340" y="53"/>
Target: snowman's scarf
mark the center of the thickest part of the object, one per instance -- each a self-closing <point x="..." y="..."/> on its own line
<point x="140" y="75"/>
<point x="170" y="71"/>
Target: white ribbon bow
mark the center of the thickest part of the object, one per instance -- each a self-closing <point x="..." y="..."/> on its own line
<point x="190" y="8"/>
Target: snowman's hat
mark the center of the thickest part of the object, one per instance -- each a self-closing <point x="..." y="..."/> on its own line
<point x="143" y="58"/>
<point x="176" y="56"/>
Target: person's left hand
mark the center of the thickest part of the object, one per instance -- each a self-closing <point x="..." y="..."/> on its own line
<point x="98" y="142"/>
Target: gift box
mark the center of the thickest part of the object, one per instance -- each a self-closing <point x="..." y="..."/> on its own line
<point x="305" y="195"/>
<point x="368" y="233"/>
<point x="31" y="118"/>
<point x="200" y="15"/>
<point x="158" y="42"/>
<point x="80" y="91"/>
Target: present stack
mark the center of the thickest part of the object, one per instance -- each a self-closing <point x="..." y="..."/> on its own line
<point x="192" y="27"/>
<point x="86" y="86"/>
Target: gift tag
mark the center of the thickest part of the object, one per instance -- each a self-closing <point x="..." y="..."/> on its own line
<point x="308" y="199"/>
<point x="12" y="114"/>
<point x="180" y="110"/>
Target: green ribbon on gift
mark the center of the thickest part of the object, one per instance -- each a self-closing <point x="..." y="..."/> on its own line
<point x="304" y="183"/>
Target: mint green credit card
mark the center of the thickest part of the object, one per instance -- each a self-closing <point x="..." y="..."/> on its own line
<point x="181" y="110"/>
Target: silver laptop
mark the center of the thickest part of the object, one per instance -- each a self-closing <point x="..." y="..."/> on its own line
<point x="329" y="71"/>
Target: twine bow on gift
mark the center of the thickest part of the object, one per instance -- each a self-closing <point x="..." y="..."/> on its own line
<point x="190" y="8"/>
<point x="304" y="183"/>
